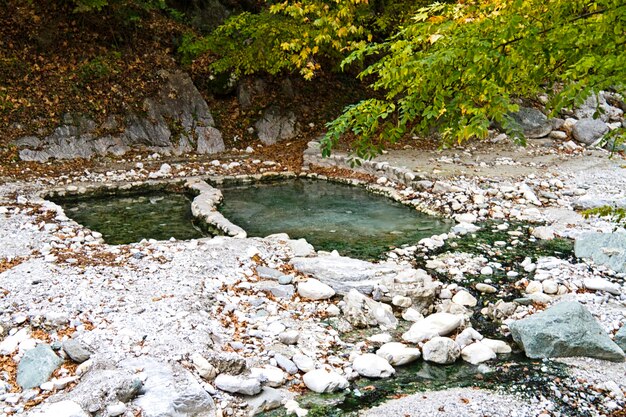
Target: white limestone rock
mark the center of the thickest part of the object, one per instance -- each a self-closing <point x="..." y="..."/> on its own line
<point x="438" y="324"/>
<point x="65" y="408"/>
<point x="313" y="289"/>
<point x="464" y="298"/>
<point x="370" y="365"/>
<point x="441" y="350"/>
<point x="324" y="380"/>
<point x="237" y="384"/>
<point x="477" y="352"/>
<point x="498" y="346"/>
<point x="398" y="353"/>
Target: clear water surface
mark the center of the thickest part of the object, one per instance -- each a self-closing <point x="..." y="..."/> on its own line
<point x="127" y="219"/>
<point x="329" y="215"/>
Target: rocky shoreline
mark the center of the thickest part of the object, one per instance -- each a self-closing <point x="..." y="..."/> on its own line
<point x="236" y="326"/>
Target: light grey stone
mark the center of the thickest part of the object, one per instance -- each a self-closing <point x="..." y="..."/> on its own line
<point x="324" y="380"/>
<point x="588" y="131"/>
<point x="437" y="324"/>
<point x="533" y="122"/>
<point x="169" y="390"/>
<point x="303" y="362"/>
<point x="620" y="337"/>
<point x="477" y="352"/>
<point x="370" y="365"/>
<point x="238" y="384"/>
<point x="76" y="351"/>
<point x="64" y="408"/>
<point x="290" y="337"/>
<point x="563" y="330"/>
<point x="596" y="106"/>
<point x="268" y="399"/>
<point x="601" y="284"/>
<point x="268" y="273"/>
<point x="441" y="350"/>
<point x="36" y="366"/>
<point x="276" y="125"/>
<point x="286" y="364"/>
<point x="607" y="249"/>
<point x="398" y="353"/>
<point x="361" y="311"/>
<point x="314" y="289"/>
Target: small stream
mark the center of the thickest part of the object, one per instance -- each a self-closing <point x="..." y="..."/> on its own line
<point x="511" y="373"/>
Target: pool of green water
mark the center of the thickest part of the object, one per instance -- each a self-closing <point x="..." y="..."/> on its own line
<point x="331" y="216"/>
<point x="131" y="218"/>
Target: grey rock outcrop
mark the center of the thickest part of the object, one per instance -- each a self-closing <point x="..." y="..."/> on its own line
<point x="361" y="311"/>
<point x="169" y="390"/>
<point x="276" y="125"/>
<point x="597" y="106"/>
<point x="178" y="120"/>
<point x="533" y="122"/>
<point x="105" y="384"/>
<point x="588" y="131"/>
<point x="36" y="366"/>
<point x="166" y="390"/>
<point x="607" y="249"/>
<point x="564" y="330"/>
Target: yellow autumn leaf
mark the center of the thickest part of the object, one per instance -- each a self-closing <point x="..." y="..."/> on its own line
<point x="434" y="38"/>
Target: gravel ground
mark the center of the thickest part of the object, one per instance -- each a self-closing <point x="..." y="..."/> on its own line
<point x="169" y="301"/>
<point x="460" y="402"/>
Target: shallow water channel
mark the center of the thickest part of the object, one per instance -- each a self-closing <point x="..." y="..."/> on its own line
<point x="329" y="215"/>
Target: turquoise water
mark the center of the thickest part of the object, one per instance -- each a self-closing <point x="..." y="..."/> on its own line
<point x="329" y="215"/>
<point x="127" y="219"/>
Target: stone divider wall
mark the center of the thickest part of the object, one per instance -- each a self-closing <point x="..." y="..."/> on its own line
<point x="204" y="206"/>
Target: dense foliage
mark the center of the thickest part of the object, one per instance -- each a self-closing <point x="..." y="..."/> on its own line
<point x="453" y="69"/>
<point x="302" y="36"/>
<point x="458" y="68"/>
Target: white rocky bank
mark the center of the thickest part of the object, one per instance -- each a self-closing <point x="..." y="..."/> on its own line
<point x="225" y="326"/>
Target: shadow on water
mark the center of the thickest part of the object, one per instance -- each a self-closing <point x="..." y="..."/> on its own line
<point x="331" y="216"/>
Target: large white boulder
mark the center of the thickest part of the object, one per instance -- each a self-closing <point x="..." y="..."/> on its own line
<point x="438" y="324"/>
<point x="465" y="299"/>
<point x="61" y="409"/>
<point x="441" y="350"/>
<point x="238" y="384"/>
<point x="372" y="366"/>
<point x="303" y="362"/>
<point x="314" y="290"/>
<point x="498" y="346"/>
<point x="477" y="352"/>
<point x="398" y="353"/>
<point x="272" y="375"/>
<point x="324" y="380"/>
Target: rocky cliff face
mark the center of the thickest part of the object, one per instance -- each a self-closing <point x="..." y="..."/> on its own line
<point x="177" y="120"/>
